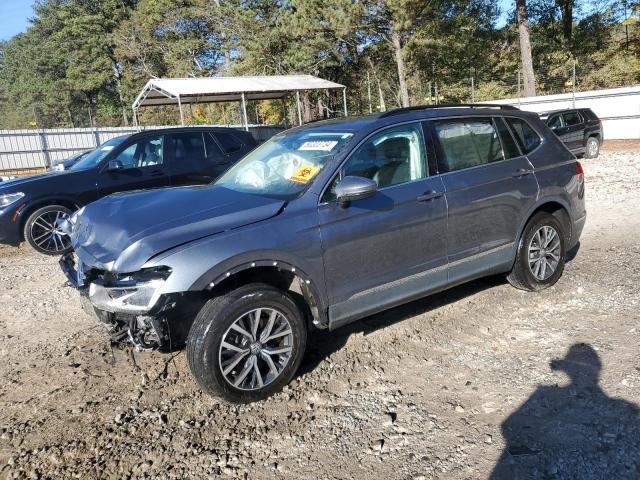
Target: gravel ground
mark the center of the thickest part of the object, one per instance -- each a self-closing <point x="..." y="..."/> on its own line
<point x="483" y="380"/>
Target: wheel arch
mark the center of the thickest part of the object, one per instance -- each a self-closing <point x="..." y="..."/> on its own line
<point x="272" y="270"/>
<point x="557" y="207"/>
<point x="31" y="207"/>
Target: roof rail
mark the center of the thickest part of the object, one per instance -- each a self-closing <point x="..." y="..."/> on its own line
<point x="399" y="111"/>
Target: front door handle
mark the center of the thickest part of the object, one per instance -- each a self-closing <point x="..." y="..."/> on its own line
<point x="156" y="173"/>
<point x="521" y="172"/>
<point x="429" y="195"/>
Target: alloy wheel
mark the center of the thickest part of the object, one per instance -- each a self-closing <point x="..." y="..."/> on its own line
<point x="544" y="252"/>
<point x="256" y="348"/>
<point x="46" y="233"/>
<point x="592" y="147"/>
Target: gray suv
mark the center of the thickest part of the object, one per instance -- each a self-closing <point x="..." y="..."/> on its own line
<point x="323" y="225"/>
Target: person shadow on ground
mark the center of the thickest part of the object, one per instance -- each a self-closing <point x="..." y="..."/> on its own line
<point x="572" y="432"/>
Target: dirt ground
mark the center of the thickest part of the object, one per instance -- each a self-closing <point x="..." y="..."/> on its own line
<point x="481" y="381"/>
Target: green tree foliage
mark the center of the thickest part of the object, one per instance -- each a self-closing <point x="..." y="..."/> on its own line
<point x="84" y="61"/>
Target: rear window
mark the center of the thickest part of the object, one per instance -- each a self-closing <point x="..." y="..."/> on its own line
<point x="467" y="143"/>
<point x="526" y="136"/>
<point x="588" y="113"/>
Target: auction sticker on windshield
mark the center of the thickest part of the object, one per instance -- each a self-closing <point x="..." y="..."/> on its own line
<point x="304" y="174"/>
<point x="318" y="145"/>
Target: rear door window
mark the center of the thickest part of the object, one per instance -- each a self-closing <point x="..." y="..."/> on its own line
<point x="526" y="136"/>
<point x="467" y="143"/>
<point x="213" y="151"/>
<point x="228" y="142"/>
<point x="188" y="148"/>
<point x="572" y="118"/>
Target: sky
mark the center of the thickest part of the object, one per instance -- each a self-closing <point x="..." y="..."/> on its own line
<point x="14" y="16"/>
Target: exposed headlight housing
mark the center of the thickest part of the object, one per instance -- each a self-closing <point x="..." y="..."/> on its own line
<point x="134" y="293"/>
<point x="10" y="198"/>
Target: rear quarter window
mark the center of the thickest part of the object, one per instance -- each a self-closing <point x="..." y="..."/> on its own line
<point x="524" y="134"/>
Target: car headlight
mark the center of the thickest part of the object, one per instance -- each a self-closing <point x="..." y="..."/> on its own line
<point x="130" y="293"/>
<point x="10" y="198"/>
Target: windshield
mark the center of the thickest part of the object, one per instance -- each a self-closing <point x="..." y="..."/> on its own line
<point x="92" y="159"/>
<point x="284" y="165"/>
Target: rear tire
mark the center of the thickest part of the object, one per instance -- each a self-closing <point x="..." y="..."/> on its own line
<point x="541" y="254"/>
<point x="41" y="232"/>
<point x="227" y="350"/>
<point x="592" y="148"/>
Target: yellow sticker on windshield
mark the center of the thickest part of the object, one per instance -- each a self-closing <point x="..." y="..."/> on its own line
<point x="304" y="174"/>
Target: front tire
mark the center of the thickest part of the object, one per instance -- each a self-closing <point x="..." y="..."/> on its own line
<point x="541" y="254"/>
<point x="42" y="233"/>
<point x="246" y="345"/>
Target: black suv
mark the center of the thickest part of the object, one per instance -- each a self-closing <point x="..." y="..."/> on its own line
<point x="579" y="129"/>
<point x="31" y="208"/>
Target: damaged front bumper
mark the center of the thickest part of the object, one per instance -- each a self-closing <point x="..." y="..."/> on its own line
<point x="131" y="306"/>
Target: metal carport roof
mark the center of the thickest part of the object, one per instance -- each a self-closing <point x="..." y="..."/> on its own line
<point x="172" y="91"/>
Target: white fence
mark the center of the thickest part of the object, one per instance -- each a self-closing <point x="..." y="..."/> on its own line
<point x="25" y="149"/>
<point x="618" y="108"/>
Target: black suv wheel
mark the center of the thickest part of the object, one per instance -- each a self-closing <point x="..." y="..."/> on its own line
<point x="42" y="232"/>
<point x="592" y="148"/>
<point x="541" y="254"/>
<point x="246" y="345"/>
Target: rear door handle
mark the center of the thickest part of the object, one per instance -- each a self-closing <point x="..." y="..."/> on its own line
<point x="429" y="195"/>
<point x="521" y="172"/>
<point x="157" y="173"/>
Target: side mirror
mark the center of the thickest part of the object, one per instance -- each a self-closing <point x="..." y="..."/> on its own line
<point x="354" y="188"/>
<point x="115" y="165"/>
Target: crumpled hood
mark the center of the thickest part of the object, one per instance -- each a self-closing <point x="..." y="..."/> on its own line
<point x="122" y="231"/>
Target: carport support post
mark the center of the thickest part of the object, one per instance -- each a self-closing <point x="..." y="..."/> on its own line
<point x="299" y="108"/>
<point x="573" y="86"/>
<point x="181" y="112"/>
<point x="344" y="101"/>
<point x="244" y="113"/>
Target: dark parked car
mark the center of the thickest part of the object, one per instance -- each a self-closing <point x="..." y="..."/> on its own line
<point x="323" y="225"/>
<point x="69" y="162"/>
<point x="579" y="129"/>
<point x="31" y="208"/>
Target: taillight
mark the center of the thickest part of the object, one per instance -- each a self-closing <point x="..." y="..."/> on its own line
<point x="579" y="171"/>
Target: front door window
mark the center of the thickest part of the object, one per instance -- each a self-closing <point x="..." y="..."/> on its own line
<point x="147" y="152"/>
